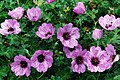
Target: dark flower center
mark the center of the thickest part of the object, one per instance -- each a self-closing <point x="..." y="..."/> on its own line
<point x="66" y="36"/>
<point x="95" y="61"/>
<point x="48" y="34"/>
<point x="23" y="64"/>
<point x="34" y="16"/>
<point x="113" y="57"/>
<point x="41" y="58"/>
<point x="10" y="29"/>
<point x="79" y="60"/>
<point x="108" y="25"/>
<point x="71" y="49"/>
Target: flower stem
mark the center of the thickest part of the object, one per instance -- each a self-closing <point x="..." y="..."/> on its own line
<point x="18" y="2"/>
<point x="92" y="19"/>
<point x="40" y="76"/>
<point x="98" y="76"/>
<point x="26" y="2"/>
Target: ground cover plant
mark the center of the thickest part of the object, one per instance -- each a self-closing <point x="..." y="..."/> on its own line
<point x="59" y="40"/>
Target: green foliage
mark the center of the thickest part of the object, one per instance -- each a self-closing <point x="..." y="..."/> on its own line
<point x="58" y="13"/>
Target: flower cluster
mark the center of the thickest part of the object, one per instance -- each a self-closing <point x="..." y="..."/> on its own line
<point x="108" y="22"/>
<point x="96" y="59"/>
<point x="12" y="26"/>
<point x="41" y="60"/>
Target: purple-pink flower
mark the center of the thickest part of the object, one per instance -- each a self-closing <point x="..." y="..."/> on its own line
<point x="45" y="31"/>
<point x="10" y="26"/>
<point x="117" y="23"/>
<point x="68" y="35"/>
<point x="97" y="59"/>
<point x="50" y="1"/>
<point x="78" y="63"/>
<point x="42" y="60"/>
<point x="21" y="66"/>
<point x="69" y="51"/>
<point x="17" y="13"/>
<point x="112" y="53"/>
<point x="34" y="14"/>
<point x="109" y="22"/>
<point x="97" y="34"/>
<point x="80" y="8"/>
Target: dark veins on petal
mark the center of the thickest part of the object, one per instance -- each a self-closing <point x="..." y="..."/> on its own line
<point x="79" y="60"/>
<point x="95" y="61"/>
<point x="23" y="64"/>
<point x="41" y="58"/>
<point x="66" y="35"/>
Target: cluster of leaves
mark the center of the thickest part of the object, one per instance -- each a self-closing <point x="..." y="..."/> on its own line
<point x="58" y="13"/>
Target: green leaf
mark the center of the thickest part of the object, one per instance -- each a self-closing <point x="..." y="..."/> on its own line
<point x="117" y="77"/>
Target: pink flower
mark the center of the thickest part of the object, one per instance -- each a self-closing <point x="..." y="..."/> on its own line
<point x="68" y="35"/>
<point x="109" y="22"/>
<point x="42" y="60"/>
<point x="45" y="31"/>
<point x="117" y="23"/>
<point x="10" y="26"/>
<point x="69" y="51"/>
<point x="21" y="66"/>
<point x="50" y="1"/>
<point x="78" y="63"/>
<point x="112" y="52"/>
<point x="17" y="13"/>
<point x="80" y="8"/>
<point x="34" y="14"/>
<point x="97" y="34"/>
<point x="97" y="59"/>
